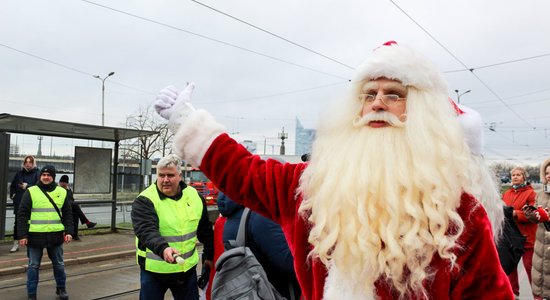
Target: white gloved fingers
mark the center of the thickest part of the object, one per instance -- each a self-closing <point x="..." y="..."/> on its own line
<point x="165" y="100"/>
<point x="174" y="105"/>
<point x="185" y="95"/>
<point x="170" y="92"/>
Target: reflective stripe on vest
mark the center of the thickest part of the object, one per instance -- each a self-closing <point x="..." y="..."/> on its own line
<point x="44" y="217"/>
<point x="178" y="222"/>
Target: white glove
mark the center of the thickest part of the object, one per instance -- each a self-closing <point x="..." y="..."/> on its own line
<point x="170" y="100"/>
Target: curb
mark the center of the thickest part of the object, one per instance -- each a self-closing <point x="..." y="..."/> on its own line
<point x="71" y="261"/>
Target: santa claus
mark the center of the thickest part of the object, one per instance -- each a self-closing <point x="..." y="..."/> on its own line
<point x="380" y="211"/>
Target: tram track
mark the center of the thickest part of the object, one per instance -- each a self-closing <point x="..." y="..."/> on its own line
<point x="118" y="295"/>
<point x="71" y="275"/>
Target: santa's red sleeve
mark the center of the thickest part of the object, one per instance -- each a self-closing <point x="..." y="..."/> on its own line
<point x="265" y="186"/>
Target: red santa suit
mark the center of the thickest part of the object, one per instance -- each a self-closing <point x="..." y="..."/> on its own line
<point x="269" y="187"/>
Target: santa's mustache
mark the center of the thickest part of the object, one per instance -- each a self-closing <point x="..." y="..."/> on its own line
<point x="385" y="116"/>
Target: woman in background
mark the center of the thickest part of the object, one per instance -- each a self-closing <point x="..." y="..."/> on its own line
<point x="521" y="196"/>
<point x="23" y="179"/>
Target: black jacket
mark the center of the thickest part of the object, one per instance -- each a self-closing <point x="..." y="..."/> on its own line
<point x="266" y="240"/>
<point x="146" y="227"/>
<point x="43" y="239"/>
<point x="30" y="177"/>
<point x="511" y="245"/>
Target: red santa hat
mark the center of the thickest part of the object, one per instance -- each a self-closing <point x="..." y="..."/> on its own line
<point x="404" y="64"/>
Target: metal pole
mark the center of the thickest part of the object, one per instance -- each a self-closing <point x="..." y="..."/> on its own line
<point x="103" y="102"/>
<point x="103" y="95"/>
<point x="458" y="95"/>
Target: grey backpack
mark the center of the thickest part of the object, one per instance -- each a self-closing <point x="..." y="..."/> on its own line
<point x="239" y="275"/>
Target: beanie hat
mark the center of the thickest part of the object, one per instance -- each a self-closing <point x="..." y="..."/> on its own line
<point x="64" y="178"/>
<point x="472" y="123"/>
<point x="48" y="169"/>
<point x="404" y="64"/>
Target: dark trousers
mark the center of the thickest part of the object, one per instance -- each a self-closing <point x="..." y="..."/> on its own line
<point x="154" y="288"/>
<point x="16" y="203"/>
<point x="78" y="214"/>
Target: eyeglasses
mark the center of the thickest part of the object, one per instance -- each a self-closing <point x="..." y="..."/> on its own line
<point x="387" y="99"/>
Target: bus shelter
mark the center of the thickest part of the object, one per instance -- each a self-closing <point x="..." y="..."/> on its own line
<point x="44" y="127"/>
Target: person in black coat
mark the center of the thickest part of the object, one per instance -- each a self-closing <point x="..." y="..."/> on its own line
<point x="78" y="214"/>
<point x="266" y="240"/>
<point x="511" y="246"/>
<point x="23" y="179"/>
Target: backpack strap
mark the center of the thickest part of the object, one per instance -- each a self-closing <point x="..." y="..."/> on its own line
<point x="241" y="233"/>
<point x="240" y="240"/>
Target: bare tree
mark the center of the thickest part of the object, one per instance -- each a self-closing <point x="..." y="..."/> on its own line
<point x="145" y="147"/>
<point x="504" y="169"/>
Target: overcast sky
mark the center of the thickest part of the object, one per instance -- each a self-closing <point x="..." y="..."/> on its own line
<point x="257" y="80"/>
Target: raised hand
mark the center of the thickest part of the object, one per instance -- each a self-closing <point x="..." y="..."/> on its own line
<point x="170" y="100"/>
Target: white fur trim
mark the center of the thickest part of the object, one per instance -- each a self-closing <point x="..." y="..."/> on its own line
<point x="338" y="286"/>
<point x="472" y="123"/>
<point x="194" y="136"/>
<point x="404" y="64"/>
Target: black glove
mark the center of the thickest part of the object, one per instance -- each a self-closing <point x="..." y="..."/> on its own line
<point x="202" y="281"/>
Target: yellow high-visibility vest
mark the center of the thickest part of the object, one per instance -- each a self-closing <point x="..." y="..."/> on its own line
<point x="44" y="217"/>
<point x="178" y="222"/>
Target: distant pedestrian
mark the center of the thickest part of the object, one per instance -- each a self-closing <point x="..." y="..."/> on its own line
<point x="168" y="218"/>
<point x="541" y="259"/>
<point x="45" y="221"/>
<point x="23" y="179"/>
<point x="78" y="214"/>
<point x="521" y="196"/>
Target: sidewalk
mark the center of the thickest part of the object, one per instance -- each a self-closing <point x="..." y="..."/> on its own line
<point x="90" y="248"/>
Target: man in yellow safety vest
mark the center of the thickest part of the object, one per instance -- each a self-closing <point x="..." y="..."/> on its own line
<point x="45" y="221"/>
<point x="168" y="218"/>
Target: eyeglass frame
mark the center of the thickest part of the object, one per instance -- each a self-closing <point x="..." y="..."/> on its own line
<point x="392" y="99"/>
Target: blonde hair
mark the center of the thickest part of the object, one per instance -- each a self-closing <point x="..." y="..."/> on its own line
<point x="523" y="172"/>
<point x="384" y="212"/>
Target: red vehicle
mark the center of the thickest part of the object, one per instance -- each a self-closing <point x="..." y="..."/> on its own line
<point x="203" y="185"/>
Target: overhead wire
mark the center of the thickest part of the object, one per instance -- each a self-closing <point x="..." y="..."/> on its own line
<point x="500" y="63"/>
<point x="274" y="34"/>
<point x="278" y="94"/>
<point x="154" y="93"/>
<point x="459" y="60"/>
<point x="471" y="70"/>
<point x="215" y="40"/>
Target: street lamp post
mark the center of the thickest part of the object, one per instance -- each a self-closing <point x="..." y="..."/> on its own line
<point x="103" y="95"/>
<point x="460" y="94"/>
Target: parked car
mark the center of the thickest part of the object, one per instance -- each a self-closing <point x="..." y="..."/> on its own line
<point x="504" y="179"/>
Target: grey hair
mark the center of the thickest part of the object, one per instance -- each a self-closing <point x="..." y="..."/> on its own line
<point x="168" y="161"/>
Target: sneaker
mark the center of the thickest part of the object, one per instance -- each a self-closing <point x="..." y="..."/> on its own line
<point x="91" y="224"/>
<point x="76" y="238"/>
<point x="15" y="247"/>
<point x="62" y="293"/>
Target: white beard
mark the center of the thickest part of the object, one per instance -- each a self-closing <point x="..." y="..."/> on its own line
<point x="381" y="202"/>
